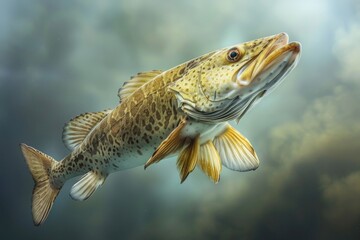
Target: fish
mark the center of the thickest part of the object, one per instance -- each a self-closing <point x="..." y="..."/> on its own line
<point x="184" y="112"/>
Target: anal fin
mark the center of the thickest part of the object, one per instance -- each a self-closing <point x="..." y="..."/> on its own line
<point x="87" y="185"/>
<point x="236" y="152"/>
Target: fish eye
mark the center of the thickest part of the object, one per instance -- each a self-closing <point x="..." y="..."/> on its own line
<point x="233" y="55"/>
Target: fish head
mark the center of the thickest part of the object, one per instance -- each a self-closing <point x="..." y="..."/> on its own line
<point x="226" y="83"/>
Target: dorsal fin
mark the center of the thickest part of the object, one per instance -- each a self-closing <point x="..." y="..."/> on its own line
<point x="79" y="127"/>
<point x="136" y="82"/>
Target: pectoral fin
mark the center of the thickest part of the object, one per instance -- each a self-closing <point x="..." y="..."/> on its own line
<point x="235" y="151"/>
<point x="188" y="147"/>
<point x="170" y="145"/>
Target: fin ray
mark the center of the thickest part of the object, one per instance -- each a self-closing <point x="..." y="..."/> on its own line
<point x="79" y="127"/>
<point x="44" y="193"/>
<point x="209" y="161"/>
<point x="236" y="152"/>
<point x="171" y="144"/>
<point x="87" y="185"/>
<point x="188" y="158"/>
<point x="136" y="82"/>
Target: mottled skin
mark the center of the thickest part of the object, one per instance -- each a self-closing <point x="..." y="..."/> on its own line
<point x="183" y="111"/>
<point x="129" y="135"/>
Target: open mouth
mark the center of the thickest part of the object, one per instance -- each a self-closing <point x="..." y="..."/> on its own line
<point x="273" y="63"/>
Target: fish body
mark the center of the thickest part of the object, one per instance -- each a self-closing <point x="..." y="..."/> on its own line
<point x="183" y="111"/>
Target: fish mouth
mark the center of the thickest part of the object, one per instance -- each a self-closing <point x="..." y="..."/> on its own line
<point x="270" y="66"/>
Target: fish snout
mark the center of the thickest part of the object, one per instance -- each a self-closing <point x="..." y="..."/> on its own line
<point x="270" y="66"/>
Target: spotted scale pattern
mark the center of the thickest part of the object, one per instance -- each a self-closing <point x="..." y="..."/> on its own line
<point x="130" y="133"/>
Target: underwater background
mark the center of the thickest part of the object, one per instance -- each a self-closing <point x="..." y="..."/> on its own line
<point x="59" y="59"/>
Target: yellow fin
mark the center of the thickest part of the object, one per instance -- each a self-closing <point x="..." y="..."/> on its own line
<point x="188" y="158"/>
<point x="209" y="161"/>
<point x="170" y="145"/>
<point x="236" y="152"/>
<point x="79" y="127"/>
<point x="136" y="82"/>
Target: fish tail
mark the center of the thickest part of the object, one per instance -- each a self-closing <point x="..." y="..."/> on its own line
<point x="44" y="192"/>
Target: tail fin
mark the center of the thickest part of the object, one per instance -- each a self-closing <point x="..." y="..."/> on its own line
<point x="44" y="193"/>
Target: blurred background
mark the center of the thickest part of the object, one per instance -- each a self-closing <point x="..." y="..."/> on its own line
<point x="59" y="59"/>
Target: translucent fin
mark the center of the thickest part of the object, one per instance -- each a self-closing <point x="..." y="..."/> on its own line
<point x="188" y="158"/>
<point x="236" y="152"/>
<point x="136" y="82"/>
<point x="42" y="201"/>
<point x="87" y="185"/>
<point x="79" y="127"/>
<point x="170" y="145"/>
<point x="209" y="161"/>
<point x="44" y="193"/>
